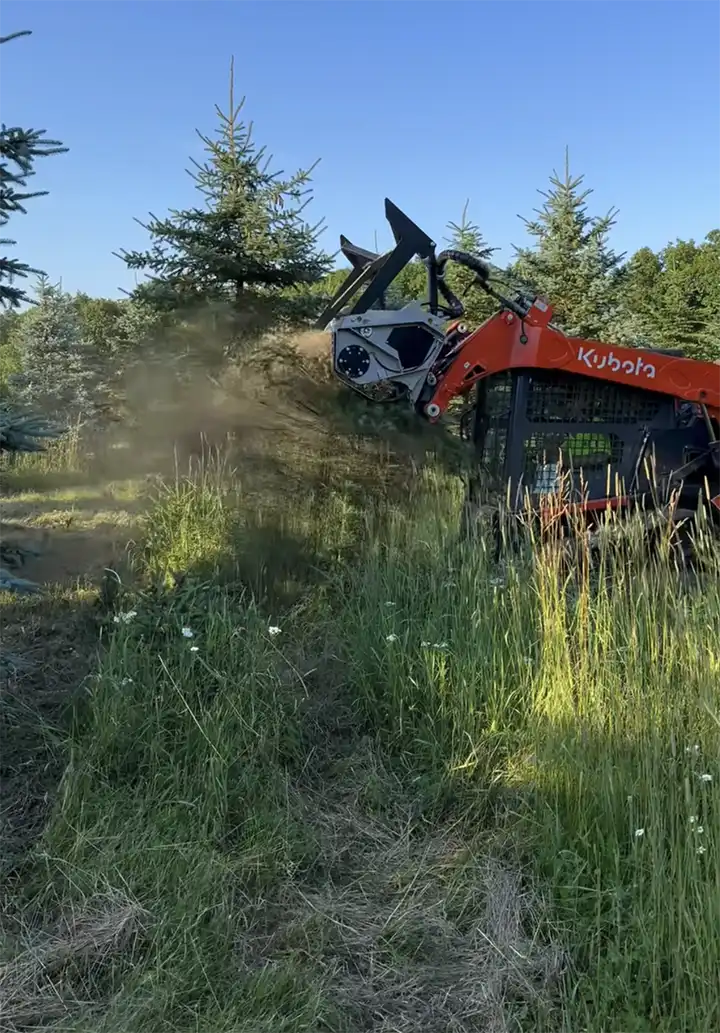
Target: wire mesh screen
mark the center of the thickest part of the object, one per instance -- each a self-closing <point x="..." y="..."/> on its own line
<point x="537" y="428"/>
<point x="564" y="398"/>
<point x="495" y="418"/>
<point x="590" y="427"/>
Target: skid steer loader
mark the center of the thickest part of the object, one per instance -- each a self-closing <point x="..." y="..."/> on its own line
<point x="559" y="424"/>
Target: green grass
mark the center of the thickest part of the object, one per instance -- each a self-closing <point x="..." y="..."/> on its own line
<point x="444" y="795"/>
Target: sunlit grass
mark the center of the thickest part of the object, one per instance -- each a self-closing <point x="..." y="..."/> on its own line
<point x="597" y="704"/>
<point x="80" y="520"/>
<point x="122" y="490"/>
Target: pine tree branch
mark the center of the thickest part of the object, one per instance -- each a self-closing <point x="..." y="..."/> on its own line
<point x="11" y="583"/>
<point x="15" y="35"/>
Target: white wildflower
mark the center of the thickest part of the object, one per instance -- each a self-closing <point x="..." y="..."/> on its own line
<point x="126" y="681"/>
<point x="701" y="850"/>
<point x="187" y="633"/>
<point x="639" y="833"/>
<point x="440" y="645"/>
<point x="425" y="645"/>
<point x="125" y="618"/>
<point x="693" y="749"/>
<point x="693" y="819"/>
<point x="699" y="830"/>
<point x="706" y="778"/>
<point x="194" y="649"/>
<point x="391" y="638"/>
<point x="389" y="603"/>
<point x="273" y="630"/>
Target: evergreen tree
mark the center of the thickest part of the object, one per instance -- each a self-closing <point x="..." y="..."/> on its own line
<point x="19" y="150"/>
<point x="708" y="265"/>
<point x="466" y="236"/>
<point x="672" y="299"/>
<point x="572" y="263"/>
<point x="247" y="242"/>
<point x="59" y="375"/>
<point x="19" y="431"/>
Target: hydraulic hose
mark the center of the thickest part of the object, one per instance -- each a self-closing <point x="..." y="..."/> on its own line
<point x="476" y="265"/>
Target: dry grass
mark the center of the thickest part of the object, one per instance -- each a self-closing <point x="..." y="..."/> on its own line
<point x="40" y="984"/>
<point x="417" y="933"/>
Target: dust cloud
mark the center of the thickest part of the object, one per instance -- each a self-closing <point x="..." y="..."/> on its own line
<point x="177" y="410"/>
<point x="185" y="399"/>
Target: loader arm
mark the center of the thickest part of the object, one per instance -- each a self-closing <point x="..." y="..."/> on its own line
<point x="511" y="341"/>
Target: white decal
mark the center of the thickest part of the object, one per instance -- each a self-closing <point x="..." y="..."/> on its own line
<point x="593" y="360"/>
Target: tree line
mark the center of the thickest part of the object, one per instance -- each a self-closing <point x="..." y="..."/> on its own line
<point x="248" y="247"/>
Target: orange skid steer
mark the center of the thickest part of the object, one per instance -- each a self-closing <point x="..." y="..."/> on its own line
<point x="616" y="427"/>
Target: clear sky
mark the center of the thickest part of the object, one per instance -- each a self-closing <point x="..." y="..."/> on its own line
<point x="428" y="103"/>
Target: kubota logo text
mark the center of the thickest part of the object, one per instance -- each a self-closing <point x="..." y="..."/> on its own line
<point x="607" y="360"/>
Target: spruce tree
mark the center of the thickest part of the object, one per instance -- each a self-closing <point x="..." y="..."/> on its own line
<point x="19" y="150"/>
<point x="466" y="236"/>
<point x="59" y="371"/>
<point x="671" y="299"/>
<point x="246" y="242"/>
<point x="572" y="262"/>
<point x="19" y="431"/>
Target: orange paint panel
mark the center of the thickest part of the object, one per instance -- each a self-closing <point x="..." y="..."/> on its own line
<point x="496" y="346"/>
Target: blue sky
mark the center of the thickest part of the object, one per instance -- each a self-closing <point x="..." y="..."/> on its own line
<point x="429" y="103"/>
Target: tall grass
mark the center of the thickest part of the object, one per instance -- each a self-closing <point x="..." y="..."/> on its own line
<point x="576" y="717"/>
<point x="596" y="705"/>
<point x="207" y="523"/>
